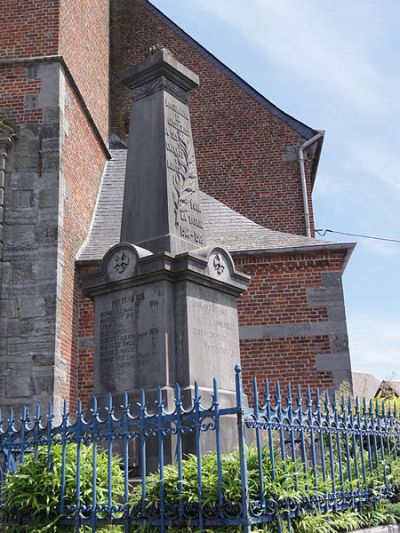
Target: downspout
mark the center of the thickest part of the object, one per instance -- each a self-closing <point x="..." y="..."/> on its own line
<point x="302" y="148"/>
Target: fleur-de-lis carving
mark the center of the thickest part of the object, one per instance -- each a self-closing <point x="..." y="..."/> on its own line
<point x="218" y="265"/>
<point x="121" y="261"/>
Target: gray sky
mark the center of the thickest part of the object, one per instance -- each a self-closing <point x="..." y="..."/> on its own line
<point x="334" y="65"/>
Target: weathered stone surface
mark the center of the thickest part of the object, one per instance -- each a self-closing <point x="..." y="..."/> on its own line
<point x="161" y="209"/>
<point x="28" y="351"/>
<point x="168" y="322"/>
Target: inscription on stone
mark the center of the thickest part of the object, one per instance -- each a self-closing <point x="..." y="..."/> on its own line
<point x="128" y="335"/>
<point x="213" y="335"/>
<point x="181" y="171"/>
<point x="216" y="329"/>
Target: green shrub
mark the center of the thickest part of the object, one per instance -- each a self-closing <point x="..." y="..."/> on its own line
<point x="35" y="490"/>
<point x="289" y="481"/>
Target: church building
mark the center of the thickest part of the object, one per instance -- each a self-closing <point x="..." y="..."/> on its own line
<point x="64" y="123"/>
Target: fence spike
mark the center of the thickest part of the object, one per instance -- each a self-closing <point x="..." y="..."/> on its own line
<point x="299" y="399"/>
<point x="25" y="414"/>
<point x="215" y="393"/>
<point x="377" y="407"/>
<point x="142" y="399"/>
<point x="95" y="409"/>
<point x="196" y="394"/>
<point x="65" y="409"/>
<point x="125" y="402"/>
<point x="334" y="404"/>
<point x="289" y="394"/>
<point x="371" y="408"/>
<point x="255" y="392"/>
<point x="364" y="405"/>
<point x="159" y="401"/>
<point x="343" y="404"/>
<point x="109" y="404"/>
<point x="327" y="401"/>
<point x="267" y="396"/>
<point x="278" y="393"/>
<point x="178" y="398"/>
<point x="357" y="405"/>
<point x="79" y="411"/>
<point x="11" y="418"/>
<point x="318" y="398"/>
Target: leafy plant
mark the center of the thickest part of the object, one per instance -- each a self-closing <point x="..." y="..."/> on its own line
<point x="34" y="490"/>
<point x="5" y="121"/>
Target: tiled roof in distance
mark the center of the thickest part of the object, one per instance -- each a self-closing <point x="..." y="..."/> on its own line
<point x="223" y="225"/>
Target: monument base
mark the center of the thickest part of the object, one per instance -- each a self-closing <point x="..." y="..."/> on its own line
<point x="162" y="320"/>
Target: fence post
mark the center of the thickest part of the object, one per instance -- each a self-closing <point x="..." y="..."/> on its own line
<point x="244" y="477"/>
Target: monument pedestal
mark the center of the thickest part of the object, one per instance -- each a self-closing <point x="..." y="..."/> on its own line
<point x="162" y="320"/>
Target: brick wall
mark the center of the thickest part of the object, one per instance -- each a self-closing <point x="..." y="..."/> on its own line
<point x="19" y="89"/>
<point x="86" y="341"/>
<point x="241" y="147"/>
<point x="84" y="44"/>
<point x="83" y="162"/>
<point x="29" y="28"/>
<point x="288" y="317"/>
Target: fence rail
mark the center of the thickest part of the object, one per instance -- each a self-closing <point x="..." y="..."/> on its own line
<point x="292" y="453"/>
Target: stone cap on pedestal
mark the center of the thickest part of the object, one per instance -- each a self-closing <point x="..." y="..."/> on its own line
<point x="128" y="265"/>
<point x="160" y="63"/>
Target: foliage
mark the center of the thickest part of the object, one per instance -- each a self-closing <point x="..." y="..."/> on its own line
<point x="35" y="489"/>
<point x="5" y="121"/>
<point x="287" y="482"/>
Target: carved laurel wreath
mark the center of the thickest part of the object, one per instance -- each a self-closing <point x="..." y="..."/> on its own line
<point x="185" y="178"/>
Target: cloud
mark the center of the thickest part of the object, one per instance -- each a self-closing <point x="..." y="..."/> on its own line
<point x="376" y="158"/>
<point x="375" y="344"/>
<point x="383" y="248"/>
<point x="328" y="46"/>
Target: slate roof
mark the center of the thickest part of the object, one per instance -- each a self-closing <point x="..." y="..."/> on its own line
<point x="223" y="226"/>
<point x="365" y="385"/>
<point x="390" y="385"/>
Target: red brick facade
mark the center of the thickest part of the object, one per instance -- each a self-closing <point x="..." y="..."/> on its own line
<point x="83" y="162"/>
<point x="241" y="147"/>
<point x="84" y="45"/>
<point x="15" y="84"/>
<point x="29" y="28"/>
<point x="278" y="295"/>
<point x="246" y="158"/>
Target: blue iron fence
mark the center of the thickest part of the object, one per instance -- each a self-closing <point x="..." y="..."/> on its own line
<point x="291" y="454"/>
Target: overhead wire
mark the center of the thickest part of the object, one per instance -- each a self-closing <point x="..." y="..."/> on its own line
<point x="323" y="232"/>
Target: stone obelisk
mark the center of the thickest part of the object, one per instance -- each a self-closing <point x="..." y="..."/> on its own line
<point x="165" y="302"/>
<point x="161" y="207"/>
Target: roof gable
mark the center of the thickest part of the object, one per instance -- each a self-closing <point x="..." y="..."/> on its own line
<point x="302" y="129"/>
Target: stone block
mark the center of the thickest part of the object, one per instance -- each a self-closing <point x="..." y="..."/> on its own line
<point x="19" y="384"/>
<point x="30" y="102"/>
